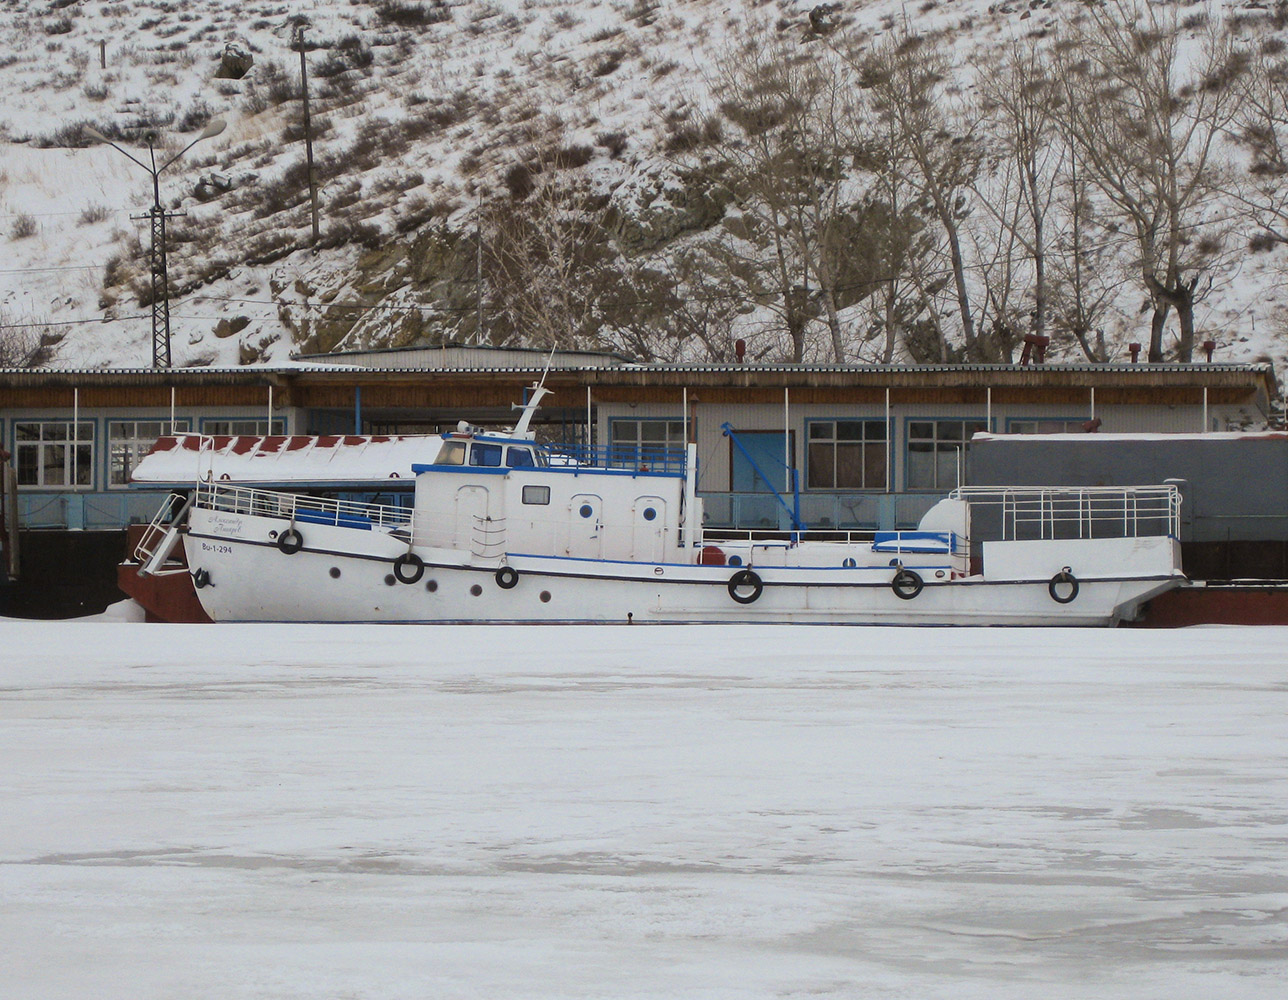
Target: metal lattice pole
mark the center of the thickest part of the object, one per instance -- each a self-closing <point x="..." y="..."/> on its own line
<point x="160" y="291"/>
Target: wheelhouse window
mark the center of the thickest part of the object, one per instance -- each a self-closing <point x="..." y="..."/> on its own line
<point x="485" y="455"/>
<point x="847" y="455"/>
<point x="129" y="440"/>
<point x="935" y="449"/>
<point x="452" y="453"/>
<point x="235" y="428"/>
<point x="639" y="442"/>
<point x="519" y="457"/>
<point x="54" y="452"/>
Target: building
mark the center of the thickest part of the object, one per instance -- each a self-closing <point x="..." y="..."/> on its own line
<point x="870" y="446"/>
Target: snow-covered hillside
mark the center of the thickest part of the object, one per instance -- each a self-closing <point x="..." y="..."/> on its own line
<point x="436" y="121"/>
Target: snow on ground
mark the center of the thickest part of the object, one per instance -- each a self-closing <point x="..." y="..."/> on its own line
<point x="370" y="812"/>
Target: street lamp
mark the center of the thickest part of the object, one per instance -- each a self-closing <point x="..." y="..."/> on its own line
<point x="157" y="214"/>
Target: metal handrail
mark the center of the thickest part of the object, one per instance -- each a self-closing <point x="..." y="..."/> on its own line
<point x="290" y="506"/>
<point x="1090" y="510"/>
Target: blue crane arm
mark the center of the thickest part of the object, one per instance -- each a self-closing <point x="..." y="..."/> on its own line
<point x="794" y="508"/>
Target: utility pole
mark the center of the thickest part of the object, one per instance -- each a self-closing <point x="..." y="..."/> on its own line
<point x="300" y="25"/>
<point x="157" y="216"/>
<point x="478" y="270"/>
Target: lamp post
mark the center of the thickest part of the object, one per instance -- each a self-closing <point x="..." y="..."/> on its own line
<point x="157" y="215"/>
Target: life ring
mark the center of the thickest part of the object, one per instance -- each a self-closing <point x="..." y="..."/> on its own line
<point x="201" y="579"/>
<point x="290" y="541"/>
<point x="746" y="578"/>
<point x="416" y="564"/>
<point x="1064" y="577"/>
<point x="906" y="584"/>
<point x="507" y="577"/>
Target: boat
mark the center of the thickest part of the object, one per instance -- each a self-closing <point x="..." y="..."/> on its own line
<point x="373" y="467"/>
<point x="506" y="529"/>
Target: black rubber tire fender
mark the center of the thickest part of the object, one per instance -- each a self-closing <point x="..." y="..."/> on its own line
<point x="507" y="577"/>
<point x="907" y="584"/>
<point x="290" y="541"/>
<point x="746" y="578"/>
<point x="1063" y="578"/>
<point x="409" y="568"/>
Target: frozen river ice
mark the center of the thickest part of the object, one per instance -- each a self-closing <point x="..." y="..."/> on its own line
<point x="700" y="812"/>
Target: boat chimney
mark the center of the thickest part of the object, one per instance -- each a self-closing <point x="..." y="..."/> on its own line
<point x="1135" y="352"/>
<point x="740" y="350"/>
<point x="1040" y="345"/>
<point x="1209" y="346"/>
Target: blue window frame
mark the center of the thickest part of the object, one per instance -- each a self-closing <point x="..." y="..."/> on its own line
<point x="129" y="440"/>
<point x="648" y="439"/>
<point x="234" y="426"/>
<point x="935" y="450"/>
<point x="847" y="454"/>
<point x="54" y="454"/>
<point x="1045" y="425"/>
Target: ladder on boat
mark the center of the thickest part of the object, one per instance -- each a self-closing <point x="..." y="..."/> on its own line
<point x="158" y="542"/>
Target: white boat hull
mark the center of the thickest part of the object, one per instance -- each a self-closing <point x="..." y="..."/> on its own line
<point x="343" y="575"/>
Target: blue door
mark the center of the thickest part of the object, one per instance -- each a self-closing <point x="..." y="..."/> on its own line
<point x="754" y="502"/>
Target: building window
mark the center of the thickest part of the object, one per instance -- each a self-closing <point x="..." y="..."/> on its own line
<point x="639" y="442"/>
<point x="129" y="440"/>
<point x="1044" y="426"/>
<point x="846" y="455"/>
<point x="935" y="447"/>
<point x="234" y="428"/>
<point x="54" y="452"/>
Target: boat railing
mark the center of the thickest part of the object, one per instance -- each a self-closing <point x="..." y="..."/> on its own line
<point x="488" y="539"/>
<point x="642" y="458"/>
<point x="1022" y="513"/>
<point x="297" y="507"/>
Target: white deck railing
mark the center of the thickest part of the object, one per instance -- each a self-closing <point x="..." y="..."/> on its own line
<point x="1078" y="512"/>
<point x="292" y="507"/>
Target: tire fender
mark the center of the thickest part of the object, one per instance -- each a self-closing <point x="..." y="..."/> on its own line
<point x="1064" y="578"/>
<point x="409" y="568"/>
<point x="746" y="578"/>
<point x="907" y="584"/>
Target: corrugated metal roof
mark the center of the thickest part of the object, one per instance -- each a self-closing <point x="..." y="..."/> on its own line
<point x="265" y="374"/>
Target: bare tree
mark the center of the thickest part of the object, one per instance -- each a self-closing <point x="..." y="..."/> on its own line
<point x="1144" y="123"/>
<point x="544" y="251"/>
<point x="25" y="346"/>
<point x="1019" y="97"/>
<point x="1088" y="269"/>
<point x="899" y="240"/>
<point x="1261" y="125"/>
<point x="786" y="167"/>
<point x="904" y="81"/>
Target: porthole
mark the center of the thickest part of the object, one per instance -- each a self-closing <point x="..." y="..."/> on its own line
<point x="649" y="513"/>
<point x="586" y="510"/>
<point x="734" y="561"/>
<point x="476" y="590"/>
<point x="389" y="579"/>
<point x="849" y="563"/>
<point x="335" y="572"/>
<point x="431" y="586"/>
<point x="545" y="597"/>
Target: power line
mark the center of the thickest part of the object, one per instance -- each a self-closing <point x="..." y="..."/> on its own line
<point x="40" y="270"/>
